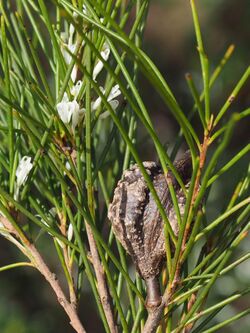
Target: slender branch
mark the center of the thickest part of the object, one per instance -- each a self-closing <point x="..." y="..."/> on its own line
<point x="99" y="271"/>
<point x="153" y="320"/>
<point x="52" y="279"/>
<point x="101" y="281"/>
<point x="155" y="314"/>
<point x="42" y="267"/>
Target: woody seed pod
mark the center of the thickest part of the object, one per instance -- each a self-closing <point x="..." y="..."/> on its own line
<point x="137" y="223"/>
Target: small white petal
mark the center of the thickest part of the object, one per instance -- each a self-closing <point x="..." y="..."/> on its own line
<point x="97" y="69"/>
<point x="95" y="105"/>
<point x="67" y="50"/>
<point x="77" y="114"/>
<point x="73" y="107"/>
<point x="23" y="170"/>
<point x="114" y="104"/>
<point x="71" y="30"/>
<point x="75" y="89"/>
<point x="64" y="109"/>
<point x="67" y="57"/>
<point x="115" y="91"/>
<point x="70" y="232"/>
<point x="99" y="65"/>
<point x="104" y="115"/>
<point x="65" y="98"/>
<point x="74" y="74"/>
<point x="105" y="52"/>
<point x="77" y="118"/>
<point x="64" y="112"/>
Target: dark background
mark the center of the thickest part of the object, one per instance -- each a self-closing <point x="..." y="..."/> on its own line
<point x="26" y="302"/>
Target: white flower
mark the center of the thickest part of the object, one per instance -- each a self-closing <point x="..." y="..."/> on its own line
<point x="99" y="65"/>
<point x="74" y="73"/>
<point x="76" y="89"/>
<point x="67" y="108"/>
<point x="22" y="172"/>
<point x="115" y="91"/>
<point x="70" y="232"/>
<point x="71" y="109"/>
<point x="64" y="110"/>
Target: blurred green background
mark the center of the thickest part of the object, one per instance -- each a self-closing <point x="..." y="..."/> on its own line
<point x="26" y="302"/>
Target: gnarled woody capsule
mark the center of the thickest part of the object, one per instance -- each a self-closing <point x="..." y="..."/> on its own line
<point x="137" y="223"/>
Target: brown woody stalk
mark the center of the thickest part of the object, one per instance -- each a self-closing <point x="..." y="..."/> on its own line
<point x="155" y="314"/>
<point x="101" y="281"/>
<point x="42" y="267"/>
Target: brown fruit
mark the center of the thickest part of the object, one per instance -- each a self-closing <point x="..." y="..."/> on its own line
<point x="136" y="220"/>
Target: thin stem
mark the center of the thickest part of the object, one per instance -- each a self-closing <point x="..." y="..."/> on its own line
<point x="99" y="271"/>
<point x="42" y="267"/>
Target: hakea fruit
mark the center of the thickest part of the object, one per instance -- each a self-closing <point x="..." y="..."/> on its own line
<point x="137" y="222"/>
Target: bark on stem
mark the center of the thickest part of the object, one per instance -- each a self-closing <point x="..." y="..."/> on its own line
<point x="155" y="314"/>
<point x="51" y="278"/>
<point x="42" y="267"/>
<point x="101" y="281"/>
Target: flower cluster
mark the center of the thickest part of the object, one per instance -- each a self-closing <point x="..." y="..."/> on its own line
<point x="69" y="109"/>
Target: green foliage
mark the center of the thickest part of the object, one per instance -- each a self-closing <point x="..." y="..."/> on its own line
<point x="78" y="155"/>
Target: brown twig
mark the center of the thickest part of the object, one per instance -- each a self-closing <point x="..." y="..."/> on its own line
<point x="101" y="281"/>
<point x="42" y="267"/>
<point x="51" y="278"/>
<point x="155" y="314"/>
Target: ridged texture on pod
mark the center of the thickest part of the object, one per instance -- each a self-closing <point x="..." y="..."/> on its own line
<point x="135" y="218"/>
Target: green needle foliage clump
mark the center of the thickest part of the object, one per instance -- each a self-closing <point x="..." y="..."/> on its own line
<point x="70" y="106"/>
